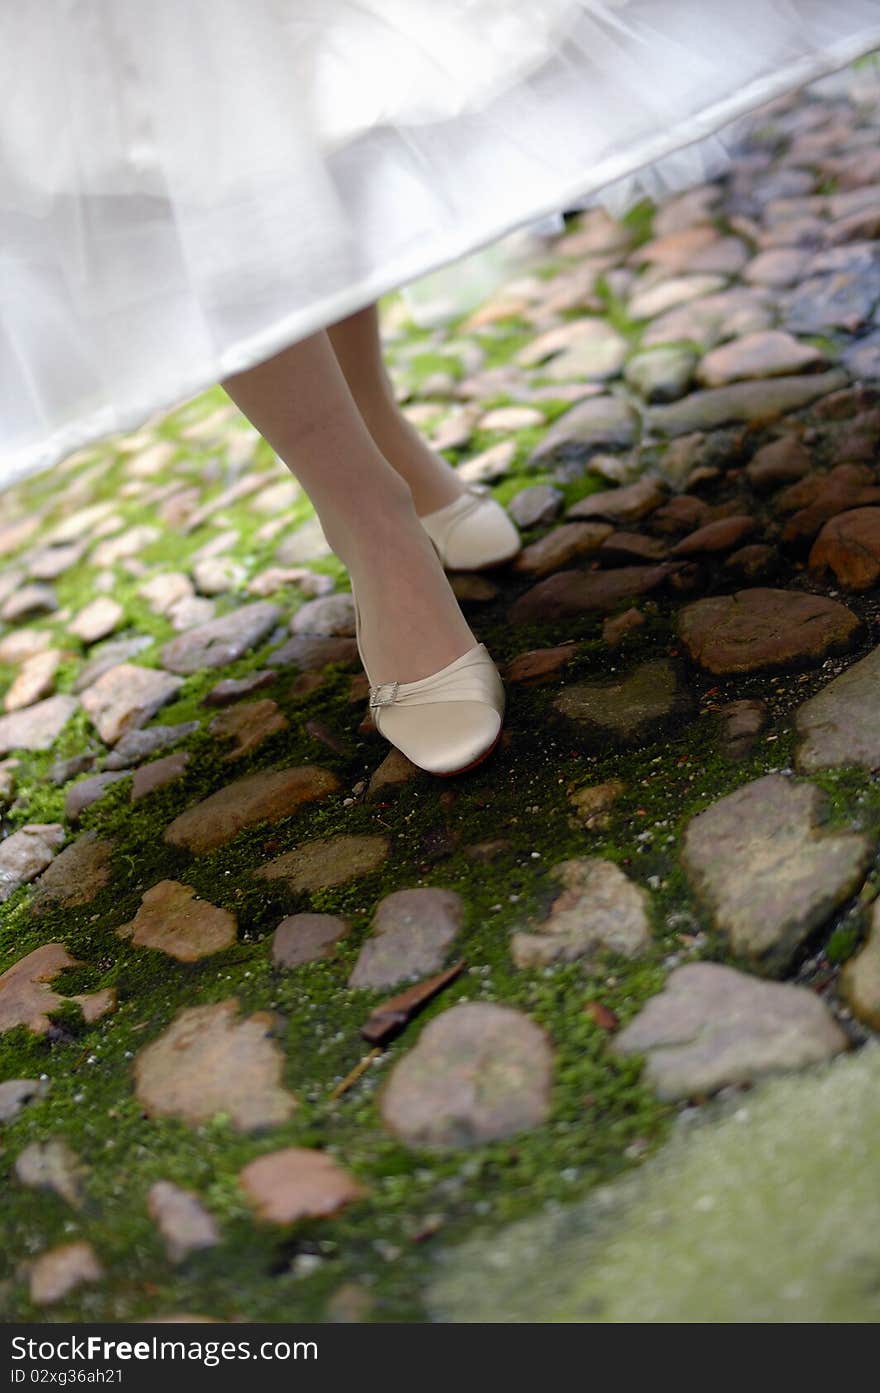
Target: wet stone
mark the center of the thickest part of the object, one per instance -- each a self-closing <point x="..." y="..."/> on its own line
<point x="631" y="548"/>
<point x="860" y="977"/>
<point x="305" y="938"/>
<point x="298" y="1183"/>
<point x="411" y="933"/>
<point x="76" y="875"/>
<point x="592" y="804"/>
<point x="36" y="727"/>
<point x="58" y="1272"/>
<point x="311" y="651"/>
<point x="712" y="1026"/>
<point x="849" y="547"/>
<point x="764" y="630"/>
<point x="767" y="872"/>
<point x="209" y="1060"/>
<point x="478" y="1073"/>
<point x="615" y="630"/>
<point x="222" y="640"/>
<point x="263" y="797"/>
<point x="560" y="547"/>
<point x="840" y="725"/>
<point x="628" y="504"/>
<point x="394" y="771"/>
<point x="570" y="593"/>
<point x="752" y="563"/>
<point x="683" y="513"/>
<point x="628" y="708"/>
<point x="182" y="1220"/>
<point x="27" y="852"/>
<point x="329" y="861"/>
<point x="781" y="462"/>
<point x="137" y="745"/>
<point x="742" y="722"/>
<point x="541" y="666"/>
<point x="721" y="535"/>
<point x="846" y="487"/>
<point x="599" y="911"/>
<point x="173" y="920"/>
<point x="126" y="697"/>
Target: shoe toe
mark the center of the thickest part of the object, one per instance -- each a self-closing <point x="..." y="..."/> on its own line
<point x="457" y="734"/>
<point x="486" y="538"/>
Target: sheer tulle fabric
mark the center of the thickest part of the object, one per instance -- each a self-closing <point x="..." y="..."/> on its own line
<point x="186" y="188"/>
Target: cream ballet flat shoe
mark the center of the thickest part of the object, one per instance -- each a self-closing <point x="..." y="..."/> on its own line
<point x="446" y="723"/>
<point x="473" y="532"/>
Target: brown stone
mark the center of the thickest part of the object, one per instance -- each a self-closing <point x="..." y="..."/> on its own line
<point x="479" y="1073"/>
<point x="394" y="771"/>
<point x="681" y="514"/>
<point x="615" y="630"/>
<point x="298" y="1183"/>
<point x="783" y="461"/>
<point x="97" y="620"/>
<point x="76" y="875"/>
<point x="248" y="725"/>
<point x="159" y="774"/>
<point x="540" y="666"/>
<point x="263" y="797"/>
<point x="303" y="938"/>
<point x="51" y="1165"/>
<point x="599" y="911"/>
<point x="860" y="978"/>
<point x="593" y="803"/>
<point x="126" y="697"/>
<point x="627" y="708"/>
<point x="721" y="535"/>
<point x="849" y="546"/>
<point x="631" y="549"/>
<point x="742" y="721"/>
<point x="752" y="563"/>
<point x="173" y="920"/>
<point x="559" y="547"/>
<point x="329" y="861"/>
<point x="760" y="630"/>
<point x="571" y="593"/>
<point x="628" y="504"/>
<point x="411" y="933"/>
<point x="847" y="487"/>
<point x="210" y="1061"/>
<point x="27" y="999"/>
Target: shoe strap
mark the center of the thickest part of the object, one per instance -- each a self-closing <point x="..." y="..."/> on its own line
<point x="472" y="677"/>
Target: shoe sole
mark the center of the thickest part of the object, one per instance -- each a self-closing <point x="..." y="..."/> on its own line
<point x="465" y="769"/>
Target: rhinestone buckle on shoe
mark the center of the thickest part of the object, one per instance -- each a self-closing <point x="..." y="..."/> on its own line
<point x="384" y="695"/>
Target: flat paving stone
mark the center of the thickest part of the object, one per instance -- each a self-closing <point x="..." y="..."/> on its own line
<point x="599" y="911"/>
<point x="630" y="708"/>
<point x="743" y="402"/>
<point x="860" y="976"/>
<point x="149" y="778"/>
<point x="623" y="505"/>
<point x="36" y="727"/>
<point x="27" y="999"/>
<point x="306" y="938"/>
<point x="570" y="593"/>
<point x="97" y="620"/>
<point x="331" y="616"/>
<point x="712" y="1026"/>
<point x="478" y="1073"/>
<point x="763" y="630"/>
<point x="247" y="802"/>
<point x="298" y="1183"/>
<point x="840" y="725"/>
<point x="209" y="1060"/>
<point x="27" y="852"/>
<point x="15" y="1094"/>
<point x="560" y="547"/>
<point x="768" y="874"/>
<point x="137" y="745"/>
<point x="126" y="697"/>
<point x="599" y="421"/>
<point x="248" y="726"/>
<point x="328" y="861"/>
<point x="75" y="876"/>
<point x="849" y="547"/>
<point x="182" y="1220"/>
<point x="34" y="680"/>
<point x="410" y="936"/>
<point x="223" y="640"/>
<point x="59" y="1271"/>
<point x="172" y="919"/>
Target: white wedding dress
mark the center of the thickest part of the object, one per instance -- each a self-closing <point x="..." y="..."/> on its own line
<point x="188" y="185"/>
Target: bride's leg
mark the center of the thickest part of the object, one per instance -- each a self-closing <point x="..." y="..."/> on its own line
<point x="300" y="402"/>
<point x="357" y="344"/>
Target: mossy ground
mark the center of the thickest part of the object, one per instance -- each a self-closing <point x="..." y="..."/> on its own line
<point x="603" y="1119"/>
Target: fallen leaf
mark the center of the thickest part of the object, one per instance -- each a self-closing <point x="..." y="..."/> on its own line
<point x="388" y="1019"/>
<point x="604" y="1017"/>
